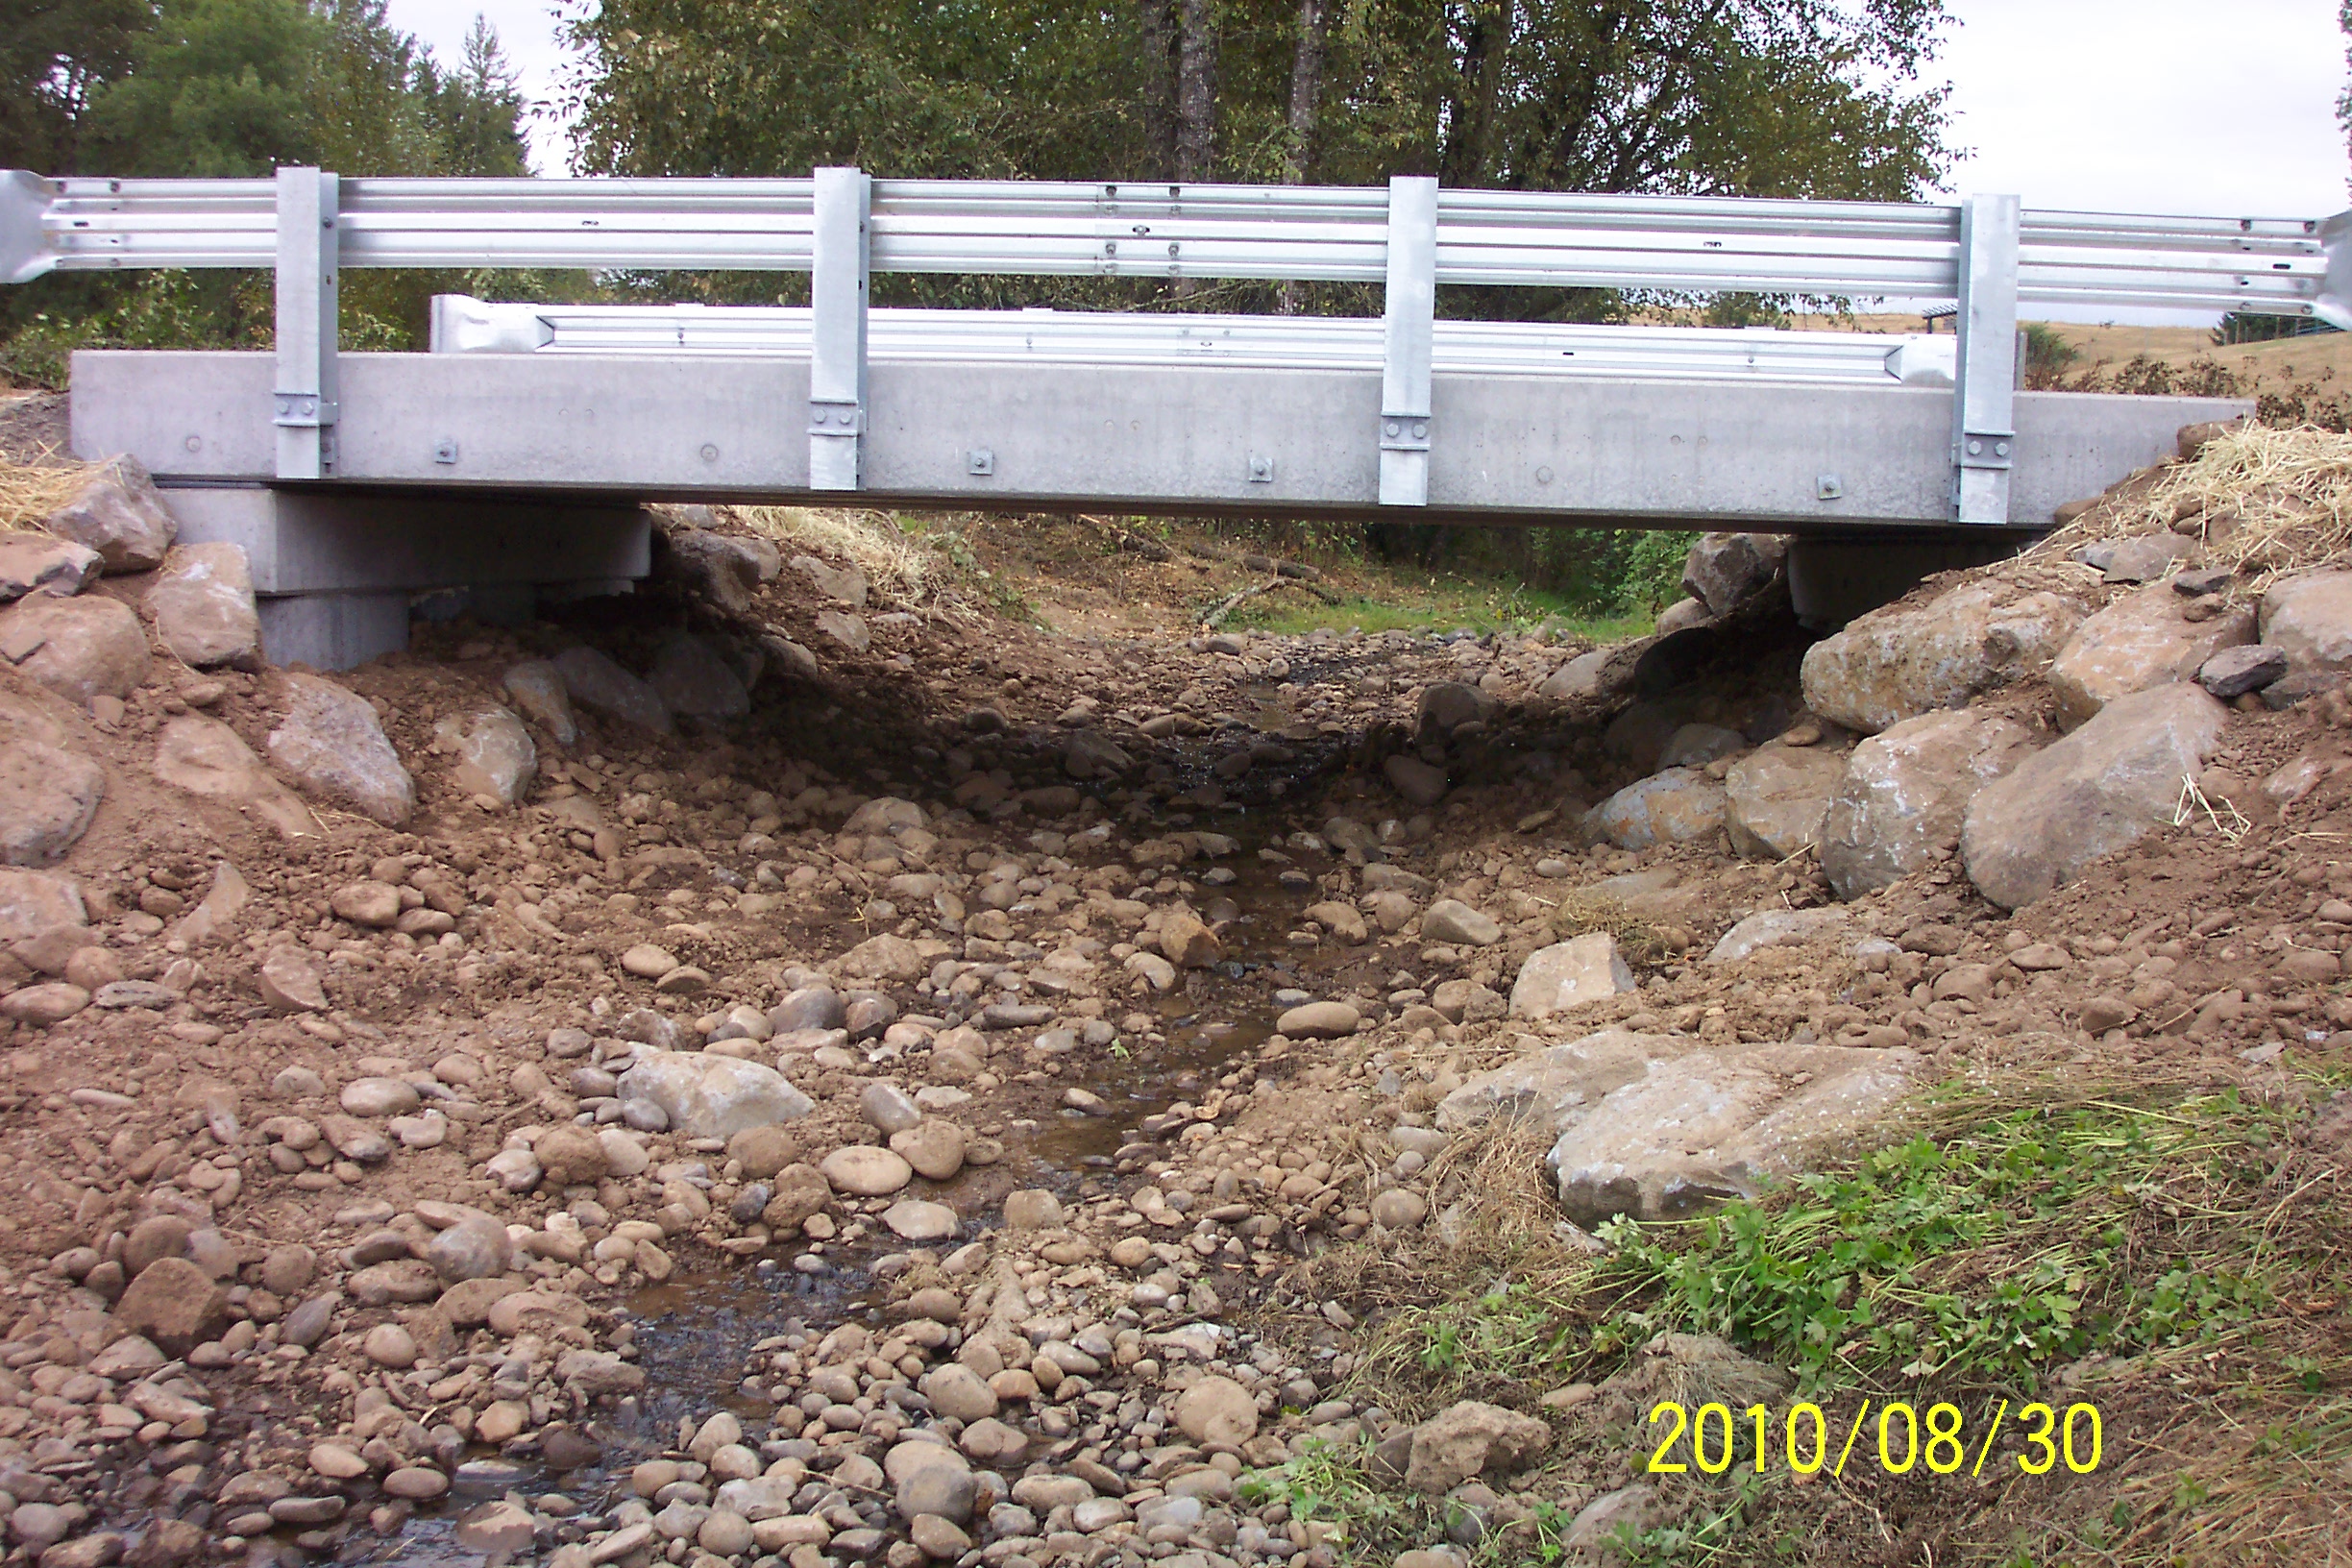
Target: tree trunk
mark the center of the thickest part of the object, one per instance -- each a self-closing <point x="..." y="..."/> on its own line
<point x="1160" y="88"/>
<point x="1306" y="85"/>
<point x="1306" y="98"/>
<point x="1467" y="158"/>
<point x="1195" y="91"/>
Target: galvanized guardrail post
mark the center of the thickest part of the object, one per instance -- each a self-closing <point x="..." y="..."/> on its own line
<point x="1408" y="317"/>
<point x="842" y="253"/>
<point x="309" y="254"/>
<point x="1984" y="387"/>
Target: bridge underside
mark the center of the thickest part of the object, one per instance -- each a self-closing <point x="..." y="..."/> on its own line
<point x="512" y="475"/>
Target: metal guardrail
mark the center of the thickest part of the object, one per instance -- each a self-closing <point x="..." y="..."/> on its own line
<point x="464" y="325"/>
<point x="1542" y="239"/>
<point x="842" y="225"/>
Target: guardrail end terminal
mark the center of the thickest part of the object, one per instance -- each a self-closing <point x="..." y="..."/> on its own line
<point x="2333" y="305"/>
<point x="24" y="249"/>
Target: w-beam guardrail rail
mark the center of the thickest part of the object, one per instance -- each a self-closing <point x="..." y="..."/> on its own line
<point x="1406" y="416"/>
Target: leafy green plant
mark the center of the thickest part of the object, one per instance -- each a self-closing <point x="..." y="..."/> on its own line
<point x="1989" y="1256"/>
<point x="2048" y="355"/>
<point x="1328" y="1485"/>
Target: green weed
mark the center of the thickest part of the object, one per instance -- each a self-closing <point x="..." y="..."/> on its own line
<point x="2019" y="1243"/>
<point x="1327" y="1486"/>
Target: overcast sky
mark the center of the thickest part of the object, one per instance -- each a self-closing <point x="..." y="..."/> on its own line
<point x="2132" y="105"/>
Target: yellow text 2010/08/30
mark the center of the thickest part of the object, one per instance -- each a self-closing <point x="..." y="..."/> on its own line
<point x="1806" y="1440"/>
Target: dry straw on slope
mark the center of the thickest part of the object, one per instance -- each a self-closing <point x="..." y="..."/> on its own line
<point x="28" y="495"/>
<point x="895" y="565"/>
<point x="2263" y="500"/>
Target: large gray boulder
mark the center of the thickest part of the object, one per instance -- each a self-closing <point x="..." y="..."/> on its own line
<point x="1726" y="571"/>
<point x="77" y="648"/>
<point x="203" y="609"/>
<point x="594" y="681"/>
<point x="2309" y="618"/>
<point x="1911" y="658"/>
<point x="120" y="515"/>
<point x="332" y="745"/>
<point x="2089" y="795"/>
<point x="713" y="1096"/>
<point x="1672" y="807"/>
<point x="1660" y="1126"/>
<point x="2139" y="641"/>
<point x="1775" y="798"/>
<point x="1906" y="791"/>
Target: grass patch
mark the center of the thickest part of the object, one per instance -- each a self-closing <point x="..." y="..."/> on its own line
<point x="2169" y="1251"/>
<point x="2040" y="1236"/>
<point x="1441" y="606"/>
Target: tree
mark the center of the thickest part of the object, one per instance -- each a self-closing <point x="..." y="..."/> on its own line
<point x="477" y="108"/>
<point x="1753" y="97"/>
<point x="2343" y="103"/>
<point x="237" y="88"/>
<point x="215" y="88"/>
<point x="53" y="56"/>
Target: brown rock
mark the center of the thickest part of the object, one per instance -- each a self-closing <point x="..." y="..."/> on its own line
<point x="570" y="1156"/>
<point x="77" y="648"/>
<point x="1218" y="1409"/>
<point x="1468" y="1441"/>
<point x="763" y="1151"/>
<point x="798" y="1191"/>
<point x="38" y="563"/>
<point x="1673" y="807"/>
<point x="494" y="752"/>
<point x="35" y="902"/>
<point x="290" y="985"/>
<point x="203" y="604"/>
<point x="1188" y="942"/>
<point x="333" y="745"/>
<point x="120" y="515"/>
<point x="2090" y="794"/>
<point x="366" y="903"/>
<point x="43" y="1005"/>
<point x="206" y="757"/>
<point x="175" y="1304"/>
<point x="1919" y="656"/>
<point x="1775" y="800"/>
<point x="2138" y="642"/>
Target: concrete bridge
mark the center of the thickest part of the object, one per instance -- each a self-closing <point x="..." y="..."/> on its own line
<point x="516" y="454"/>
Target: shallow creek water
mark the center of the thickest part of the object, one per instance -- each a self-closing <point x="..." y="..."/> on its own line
<point x="696" y="1331"/>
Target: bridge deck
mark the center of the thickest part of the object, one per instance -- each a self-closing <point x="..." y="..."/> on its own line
<point x="1196" y="439"/>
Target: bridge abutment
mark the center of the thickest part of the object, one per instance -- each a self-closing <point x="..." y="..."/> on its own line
<point x="337" y="575"/>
